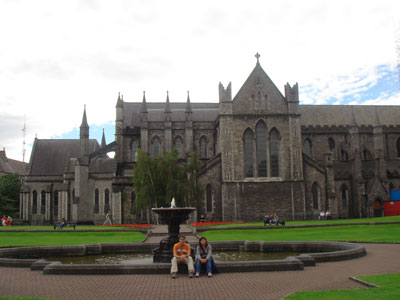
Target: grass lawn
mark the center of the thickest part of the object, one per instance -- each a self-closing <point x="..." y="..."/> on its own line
<point x="78" y="227"/>
<point x="67" y="238"/>
<point x="389" y="290"/>
<point x="315" y="222"/>
<point x="356" y="233"/>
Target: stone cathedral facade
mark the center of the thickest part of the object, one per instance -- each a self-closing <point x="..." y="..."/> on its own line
<point x="262" y="152"/>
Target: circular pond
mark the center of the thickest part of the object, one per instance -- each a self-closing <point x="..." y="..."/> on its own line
<point x="147" y="258"/>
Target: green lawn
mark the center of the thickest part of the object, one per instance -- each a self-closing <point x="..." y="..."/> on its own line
<point x="360" y="233"/>
<point x="317" y="222"/>
<point x="67" y="238"/>
<point x="389" y="290"/>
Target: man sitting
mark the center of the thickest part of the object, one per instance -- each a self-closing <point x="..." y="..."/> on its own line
<point x="181" y="254"/>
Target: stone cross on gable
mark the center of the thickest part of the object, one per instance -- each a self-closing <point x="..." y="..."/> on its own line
<point x="257" y="56"/>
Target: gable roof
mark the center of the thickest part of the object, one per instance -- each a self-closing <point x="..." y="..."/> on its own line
<point x="49" y="156"/>
<point x="11" y="166"/>
<point x="328" y="115"/>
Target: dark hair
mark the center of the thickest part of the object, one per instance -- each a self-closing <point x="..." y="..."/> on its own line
<point x="182" y="236"/>
<point x="203" y="238"/>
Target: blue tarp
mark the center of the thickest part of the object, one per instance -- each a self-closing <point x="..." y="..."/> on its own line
<point x="395" y="195"/>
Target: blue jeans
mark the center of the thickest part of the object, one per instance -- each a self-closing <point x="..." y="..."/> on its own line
<point x="208" y="266"/>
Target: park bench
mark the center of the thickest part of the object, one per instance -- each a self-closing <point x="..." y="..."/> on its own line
<point x="57" y="225"/>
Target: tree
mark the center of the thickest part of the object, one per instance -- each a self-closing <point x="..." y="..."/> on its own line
<point x="10" y="187"/>
<point x="157" y="180"/>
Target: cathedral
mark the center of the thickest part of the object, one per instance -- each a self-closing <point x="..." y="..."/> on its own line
<point x="261" y="151"/>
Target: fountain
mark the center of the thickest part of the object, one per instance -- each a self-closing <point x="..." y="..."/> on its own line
<point x="173" y="217"/>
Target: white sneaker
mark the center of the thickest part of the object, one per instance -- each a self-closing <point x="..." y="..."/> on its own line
<point x="209" y="274"/>
<point x="197" y="274"/>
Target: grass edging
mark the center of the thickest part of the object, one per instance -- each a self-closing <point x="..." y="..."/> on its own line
<point x="363" y="282"/>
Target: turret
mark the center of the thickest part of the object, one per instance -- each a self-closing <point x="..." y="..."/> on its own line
<point x="84" y="140"/>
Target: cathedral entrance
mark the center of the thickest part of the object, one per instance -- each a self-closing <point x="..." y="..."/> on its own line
<point x="378" y="208"/>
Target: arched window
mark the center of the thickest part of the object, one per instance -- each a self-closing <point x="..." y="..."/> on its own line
<point x="34" y="203"/>
<point x="156" y="147"/>
<point x="134" y="149"/>
<point x="42" y="202"/>
<point x="331" y="144"/>
<point x="259" y="100"/>
<point x="248" y="153"/>
<point x="345" y="196"/>
<point x="344" y="155"/>
<point x="274" y="152"/>
<point x="203" y="147"/>
<point x="261" y="149"/>
<point x="209" y="197"/>
<point x="55" y="202"/>
<point x="96" y="201"/>
<point x="133" y="198"/>
<point x="398" y="147"/>
<point x="366" y="155"/>
<point x="106" y="201"/>
<point x="178" y="145"/>
<point x="316" y="195"/>
<point x="308" y="148"/>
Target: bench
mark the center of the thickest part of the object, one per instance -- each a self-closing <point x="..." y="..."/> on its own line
<point x="57" y="225"/>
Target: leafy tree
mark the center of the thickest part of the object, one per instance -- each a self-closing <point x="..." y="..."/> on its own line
<point x="10" y="186"/>
<point x="157" y="180"/>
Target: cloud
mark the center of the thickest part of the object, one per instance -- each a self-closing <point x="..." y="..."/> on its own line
<point x="58" y="56"/>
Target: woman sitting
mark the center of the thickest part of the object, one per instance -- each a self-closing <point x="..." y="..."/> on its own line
<point x="203" y="256"/>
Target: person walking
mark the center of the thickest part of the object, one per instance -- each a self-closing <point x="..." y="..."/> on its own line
<point x="108" y="218"/>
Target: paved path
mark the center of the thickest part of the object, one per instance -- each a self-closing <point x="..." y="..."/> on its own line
<point x="259" y="285"/>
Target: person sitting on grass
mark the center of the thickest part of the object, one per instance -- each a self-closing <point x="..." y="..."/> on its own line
<point x="203" y="256"/>
<point x="4" y="220"/>
<point x="62" y="224"/>
<point x="181" y="254"/>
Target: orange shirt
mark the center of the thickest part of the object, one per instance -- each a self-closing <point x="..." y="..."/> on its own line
<point x="181" y="249"/>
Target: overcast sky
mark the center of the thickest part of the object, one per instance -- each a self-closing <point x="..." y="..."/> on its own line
<point x="56" y="56"/>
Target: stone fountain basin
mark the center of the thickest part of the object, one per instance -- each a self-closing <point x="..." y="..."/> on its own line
<point x="313" y="252"/>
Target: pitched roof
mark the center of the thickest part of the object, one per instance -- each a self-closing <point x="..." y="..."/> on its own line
<point x="49" y="156"/>
<point x="201" y="112"/>
<point x="11" y="166"/>
<point x="367" y="115"/>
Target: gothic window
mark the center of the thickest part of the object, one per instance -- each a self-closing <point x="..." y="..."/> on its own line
<point x="209" y="197"/>
<point x="34" y="203"/>
<point x="203" y="147"/>
<point x="331" y="145"/>
<point x="259" y="100"/>
<point x="274" y="152"/>
<point x="398" y="147"/>
<point x="316" y="194"/>
<point x="248" y="153"/>
<point x="55" y="201"/>
<point x="156" y="147"/>
<point x="308" y="148"/>
<point x="42" y="202"/>
<point x="106" y="201"/>
<point x="366" y="155"/>
<point x="345" y="196"/>
<point x="178" y="145"/>
<point x="261" y="149"/>
<point x="265" y="101"/>
<point x="134" y="149"/>
<point x="96" y="201"/>
<point x="133" y="198"/>
<point x="253" y="101"/>
<point x="344" y="156"/>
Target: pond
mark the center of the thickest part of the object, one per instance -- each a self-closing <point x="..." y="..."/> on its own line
<point x="141" y="258"/>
